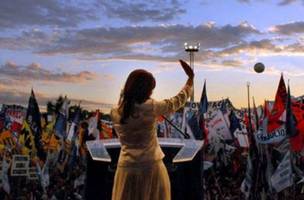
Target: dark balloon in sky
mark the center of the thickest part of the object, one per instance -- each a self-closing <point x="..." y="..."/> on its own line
<point x="259" y="67"/>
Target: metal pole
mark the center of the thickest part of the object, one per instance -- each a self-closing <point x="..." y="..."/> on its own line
<point x="192" y="67"/>
<point x="249" y="110"/>
<point x="254" y="152"/>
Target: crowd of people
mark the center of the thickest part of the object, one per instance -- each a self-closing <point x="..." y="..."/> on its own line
<point x="240" y="166"/>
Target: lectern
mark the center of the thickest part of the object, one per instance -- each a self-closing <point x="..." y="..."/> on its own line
<point x="182" y="159"/>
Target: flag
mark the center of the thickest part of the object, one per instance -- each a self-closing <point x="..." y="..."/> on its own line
<point x="246" y="122"/>
<point x="256" y="116"/>
<point x="276" y="117"/>
<point x="33" y="118"/>
<point x="237" y="131"/>
<point x="217" y="125"/>
<point x="247" y="183"/>
<point x="61" y="119"/>
<point x="269" y="168"/>
<point x="292" y="131"/>
<point x="203" y="107"/>
<point x="291" y="122"/>
<point x="93" y="123"/>
<point x="15" y="116"/>
<point x="5" y="181"/>
<point x="106" y="130"/>
<point x="264" y="137"/>
<point x="7" y="139"/>
<point x="234" y="122"/>
<point x="2" y="120"/>
<point x="63" y="157"/>
<point x="196" y="122"/>
<point x="225" y="111"/>
<point x="26" y="139"/>
<point x="283" y="177"/>
<point x="194" y="126"/>
<point x="44" y="174"/>
<point x="74" y="125"/>
<point x="266" y="110"/>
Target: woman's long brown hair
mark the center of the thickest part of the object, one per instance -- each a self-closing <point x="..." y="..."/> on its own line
<point x="138" y="89"/>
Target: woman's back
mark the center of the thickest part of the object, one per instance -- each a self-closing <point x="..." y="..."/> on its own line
<point x="138" y="135"/>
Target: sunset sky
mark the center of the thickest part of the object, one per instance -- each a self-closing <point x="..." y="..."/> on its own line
<point x="86" y="49"/>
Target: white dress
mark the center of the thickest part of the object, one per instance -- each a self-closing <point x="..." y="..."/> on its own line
<point x="141" y="173"/>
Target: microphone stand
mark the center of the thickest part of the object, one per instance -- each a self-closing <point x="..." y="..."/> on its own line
<point x="185" y="135"/>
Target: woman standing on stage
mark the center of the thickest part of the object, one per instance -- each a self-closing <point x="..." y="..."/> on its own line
<point x="141" y="173"/>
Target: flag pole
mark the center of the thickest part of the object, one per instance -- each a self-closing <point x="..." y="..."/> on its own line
<point x="252" y="147"/>
<point x="249" y="110"/>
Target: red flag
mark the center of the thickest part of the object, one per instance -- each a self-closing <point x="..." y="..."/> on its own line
<point x="246" y="121"/>
<point x="278" y="109"/>
<point x="16" y="127"/>
<point x="297" y="142"/>
<point x="266" y="109"/>
<point x="256" y="116"/>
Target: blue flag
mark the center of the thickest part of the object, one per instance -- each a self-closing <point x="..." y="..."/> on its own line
<point x="74" y="125"/>
<point x="197" y="121"/>
<point x="193" y="123"/>
<point x="33" y="118"/>
<point x="234" y="122"/>
<point x="203" y="106"/>
<point x="61" y="120"/>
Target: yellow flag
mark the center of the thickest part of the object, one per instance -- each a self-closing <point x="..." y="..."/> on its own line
<point x="26" y="139"/>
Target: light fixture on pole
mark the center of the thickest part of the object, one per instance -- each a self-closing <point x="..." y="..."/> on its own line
<point x="191" y="49"/>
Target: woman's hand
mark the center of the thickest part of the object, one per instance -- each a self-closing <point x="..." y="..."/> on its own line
<point x="187" y="69"/>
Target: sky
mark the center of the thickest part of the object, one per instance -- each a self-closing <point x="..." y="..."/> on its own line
<point x="86" y="49"/>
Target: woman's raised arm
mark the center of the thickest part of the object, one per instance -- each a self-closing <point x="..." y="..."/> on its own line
<point x="173" y="104"/>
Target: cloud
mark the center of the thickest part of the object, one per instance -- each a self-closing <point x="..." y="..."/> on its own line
<point x="244" y="1"/>
<point x="280" y="3"/>
<point x="250" y="48"/>
<point x="137" y="11"/>
<point x="291" y="72"/>
<point x="288" y="28"/>
<point x="15" y="96"/>
<point x="34" y="72"/>
<point x="264" y="47"/>
<point x="19" y="13"/>
<point x="140" y="42"/>
<point x="286" y="2"/>
<point x="15" y="80"/>
<point x="232" y="63"/>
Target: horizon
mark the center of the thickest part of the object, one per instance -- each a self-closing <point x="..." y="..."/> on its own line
<point x="86" y="50"/>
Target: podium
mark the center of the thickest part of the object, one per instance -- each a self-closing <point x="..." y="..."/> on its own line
<point x="182" y="159"/>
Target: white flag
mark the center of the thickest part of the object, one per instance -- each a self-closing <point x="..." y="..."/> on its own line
<point x="247" y="182"/>
<point x="93" y="126"/>
<point x="283" y="177"/>
<point x="217" y="125"/>
<point x="5" y="182"/>
<point x="71" y="131"/>
<point x="44" y="174"/>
